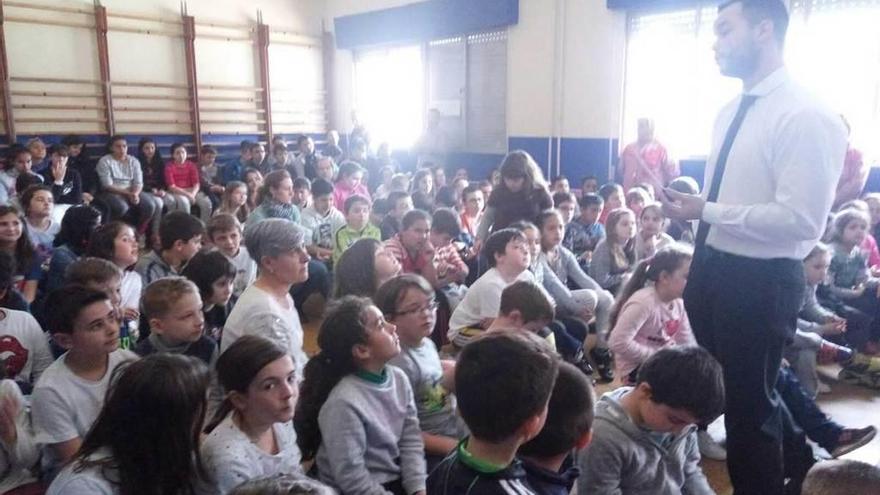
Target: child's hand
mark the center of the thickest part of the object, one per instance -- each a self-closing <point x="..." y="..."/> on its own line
<point x="9" y="409"/>
<point x="586" y="314"/>
<point x="131" y="314"/>
<point x="87" y="198"/>
<point x="832" y="328"/>
<point x="858" y="291"/>
<point x="586" y="256"/>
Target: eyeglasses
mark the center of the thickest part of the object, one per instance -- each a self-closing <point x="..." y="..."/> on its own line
<point x="427" y="308"/>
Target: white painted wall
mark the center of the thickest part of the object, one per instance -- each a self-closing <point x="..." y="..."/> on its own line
<point x="593" y="52"/>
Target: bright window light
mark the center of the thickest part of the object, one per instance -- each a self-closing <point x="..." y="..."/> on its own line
<point x="389" y="97"/>
<point x="833" y="49"/>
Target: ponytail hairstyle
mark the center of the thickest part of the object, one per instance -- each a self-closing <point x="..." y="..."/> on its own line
<point x="238" y="366"/>
<point x="344" y="327"/>
<point x="667" y="260"/>
<point x="151" y="423"/>
<point x="623" y="251"/>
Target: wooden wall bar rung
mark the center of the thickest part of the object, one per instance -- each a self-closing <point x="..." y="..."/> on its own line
<point x="49" y="22"/>
<point x="150" y="97"/>
<point x="44" y="7"/>
<point x="225" y="37"/>
<point x="40" y="106"/>
<point x="233" y="121"/>
<point x="151" y="110"/>
<point x="224" y="25"/>
<point x="162" y="32"/>
<point x="54" y="80"/>
<point x="153" y="121"/>
<point x="139" y="17"/>
<point x="55" y="94"/>
<point x="57" y="119"/>
<point x="134" y="84"/>
<point x="233" y="110"/>
<point x="230" y="87"/>
<point x="229" y="98"/>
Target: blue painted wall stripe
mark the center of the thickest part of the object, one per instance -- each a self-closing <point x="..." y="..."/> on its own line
<point x="424" y="21"/>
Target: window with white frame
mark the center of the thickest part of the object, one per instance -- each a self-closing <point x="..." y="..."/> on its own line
<point x="463" y="77"/>
<point x="832" y="48"/>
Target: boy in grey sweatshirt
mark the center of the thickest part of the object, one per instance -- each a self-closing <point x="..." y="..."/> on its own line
<point x="644" y="437"/>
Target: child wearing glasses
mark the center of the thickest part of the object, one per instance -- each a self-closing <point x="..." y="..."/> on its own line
<point x="408" y="302"/>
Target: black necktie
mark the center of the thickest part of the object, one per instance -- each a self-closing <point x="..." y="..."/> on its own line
<point x="744" y="105"/>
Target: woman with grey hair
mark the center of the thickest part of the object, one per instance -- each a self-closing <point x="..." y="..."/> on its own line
<point x="265" y="308"/>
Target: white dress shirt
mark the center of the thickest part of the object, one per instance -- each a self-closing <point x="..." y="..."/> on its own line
<point x="781" y="173"/>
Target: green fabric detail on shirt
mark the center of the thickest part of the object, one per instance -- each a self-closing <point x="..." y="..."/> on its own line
<point x="377" y="378"/>
<point x="475" y="463"/>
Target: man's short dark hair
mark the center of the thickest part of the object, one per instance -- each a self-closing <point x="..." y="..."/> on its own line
<point x="685" y="377"/>
<point x="569" y="415"/>
<point x="446" y="221"/>
<point x="245" y="145"/>
<point x="208" y="149"/>
<point x="413" y="216"/>
<point x="530" y="300"/>
<point x="758" y="10"/>
<point x="501" y="380"/>
<point x="67" y="303"/>
<point x="497" y="243"/>
<point x="321" y="187"/>
<point x="179" y="226"/>
<point x="590" y="199"/>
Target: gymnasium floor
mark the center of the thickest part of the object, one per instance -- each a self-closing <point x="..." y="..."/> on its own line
<point x="849" y="405"/>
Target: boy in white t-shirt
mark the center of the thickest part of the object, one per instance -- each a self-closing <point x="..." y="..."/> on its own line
<point x="70" y="394"/>
<point x="224" y="232"/>
<point x="509" y="258"/>
<point x="23" y="347"/>
<point x="322" y="219"/>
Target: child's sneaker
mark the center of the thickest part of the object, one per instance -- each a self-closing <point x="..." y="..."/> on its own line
<point x="604" y="364"/>
<point x="829" y="352"/>
<point x="852" y="438"/>
<point x="582" y="363"/>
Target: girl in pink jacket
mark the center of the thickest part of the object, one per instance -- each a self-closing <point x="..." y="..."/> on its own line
<point x="649" y="314"/>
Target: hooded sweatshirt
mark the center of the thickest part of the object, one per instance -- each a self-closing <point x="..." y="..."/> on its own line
<point x="627" y="459"/>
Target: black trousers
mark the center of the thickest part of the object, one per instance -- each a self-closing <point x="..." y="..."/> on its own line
<point x="743" y="310"/>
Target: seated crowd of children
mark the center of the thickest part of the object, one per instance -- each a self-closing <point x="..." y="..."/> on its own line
<point x="151" y="336"/>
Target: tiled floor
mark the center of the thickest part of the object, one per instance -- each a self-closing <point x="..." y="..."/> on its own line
<point x="849" y="405"/>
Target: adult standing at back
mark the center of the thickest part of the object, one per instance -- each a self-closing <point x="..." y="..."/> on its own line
<point x="771" y="176"/>
<point x="646" y="160"/>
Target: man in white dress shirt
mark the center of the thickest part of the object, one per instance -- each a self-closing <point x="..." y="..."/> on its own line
<point x="770" y="180"/>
